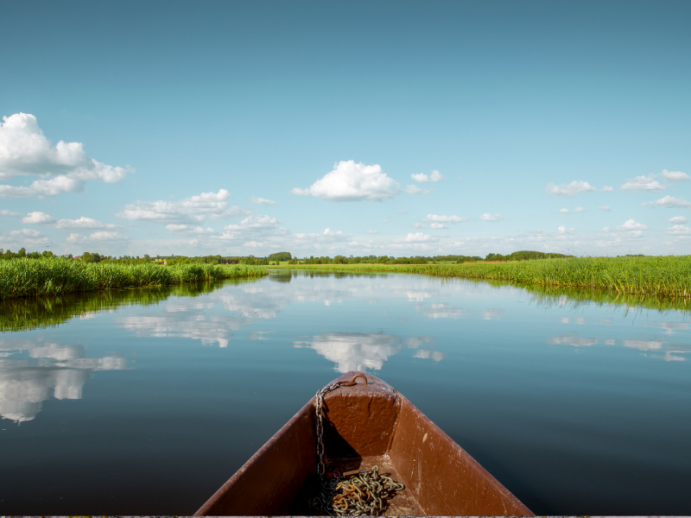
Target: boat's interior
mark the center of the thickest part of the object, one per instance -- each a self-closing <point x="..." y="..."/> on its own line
<point x="365" y="425"/>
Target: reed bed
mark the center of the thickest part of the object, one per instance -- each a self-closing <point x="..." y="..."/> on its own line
<point x="665" y="276"/>
<point x="56" y="276"/>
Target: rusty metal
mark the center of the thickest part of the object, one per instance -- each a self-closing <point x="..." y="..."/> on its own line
<point x="368" y="425"/>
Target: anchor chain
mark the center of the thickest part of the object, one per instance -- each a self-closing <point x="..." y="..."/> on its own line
<point x="364" y="494"/>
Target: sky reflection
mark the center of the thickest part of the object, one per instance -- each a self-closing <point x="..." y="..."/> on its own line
<point x="50" y="369"/>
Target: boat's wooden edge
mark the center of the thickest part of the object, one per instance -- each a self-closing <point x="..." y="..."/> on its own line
<point x="254" y="459"/>
<point x="410" y="429"/>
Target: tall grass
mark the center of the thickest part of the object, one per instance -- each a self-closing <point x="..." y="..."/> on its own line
<point x="668" y="276"/>
<point x="55" y="276"/>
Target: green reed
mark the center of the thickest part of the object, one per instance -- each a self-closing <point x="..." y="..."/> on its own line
<point x="56" y="276"/>
<point x="665" y="276"/>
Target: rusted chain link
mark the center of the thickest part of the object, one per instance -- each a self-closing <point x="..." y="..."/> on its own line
<point x="364" y="494"/>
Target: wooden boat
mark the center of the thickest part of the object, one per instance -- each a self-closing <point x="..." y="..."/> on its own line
<point x="365" y="425"/>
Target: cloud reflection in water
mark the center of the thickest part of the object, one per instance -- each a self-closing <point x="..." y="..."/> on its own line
<point x="51" y="367"/>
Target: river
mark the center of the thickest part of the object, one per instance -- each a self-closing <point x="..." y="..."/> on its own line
<point x="145" y="402"/>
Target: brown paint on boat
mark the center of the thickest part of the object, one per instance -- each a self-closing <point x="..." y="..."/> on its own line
<point x="366" y="425"/>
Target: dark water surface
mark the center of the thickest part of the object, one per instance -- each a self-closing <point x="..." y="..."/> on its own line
<point x="123" y="408"/>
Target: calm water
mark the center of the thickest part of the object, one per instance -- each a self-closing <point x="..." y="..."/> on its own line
<point x="148" y="409"/>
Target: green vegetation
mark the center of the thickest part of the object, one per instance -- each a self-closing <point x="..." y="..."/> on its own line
<point x="55" y="276"/>
<point x="23" y="314"/>
<point x="668" y="276"/>
<point x="280" y="256"/>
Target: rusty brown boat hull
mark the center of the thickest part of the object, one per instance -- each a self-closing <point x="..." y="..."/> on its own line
<point x="366" y="425"/>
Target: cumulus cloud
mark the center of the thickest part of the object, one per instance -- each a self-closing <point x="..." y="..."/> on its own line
<point x="642" y="183"/>
<point x="579" y="209"/>
<point x="435" y="176"/>
<point x="678" y="219"/>
<point x="188" y="229"/>
<point x="25" y="151"/>
<point x="38" y="218"/>
<point x="678" y="230"/>
<point x="261" y="201"/>
<point x="571" y="189"/>
<point x="195" y="208"/>
<point x="563" y="230"/>
<point x="436" y="221"/>
<point x="26" y="232"/>
<point x="419" y="237"/>
<point x="675" y="176"/>
<point x="564" y="211"/>
<point x="9" y="213"/>
<point x="668" y="202"/>
<point x="491" y="217"/>
<point x="628" y="225"/>
<point x="606" y="208"/>
<point x="100" y="236"/>
<point x="352" y="182"/>
<point x="414" y="189"/>
<point x="83" y="222"/>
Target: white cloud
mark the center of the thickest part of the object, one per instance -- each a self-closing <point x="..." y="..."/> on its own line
<point x="26" y="232"/>
<point x="195" y="208"/>
<point x="372" y="232"/>
<point x="188" y="229"/>
<point x="628" y="225"/>
<point x="414" y="189"/>
<point x="642" y="183"/>
<point x="563" y="230"/>
<point x="678" y="230"/>
<point x="564" y="211"/>
<point x="419" y="237"/>
<point x="83" y="222"/>
<point x="668" y="202"/>
<point x="675" y="176"/>
<point x="608" y="188"/>
<point x="261" y="201"/>
<point x="575" y="187"/>
<point x="254" y="244"/>
<point x="38" y="218"/>
<point x="678" y="219"/>
<point x="579" y="209"/>
<point x="5" y="212"/>
<point x="441" y="221"/>
<point x="96" y="236"/>
<point x="352" y="182"/>
<point x="435" y="176"/>
<point x="606" y="208"/>
<point x="25" y="151"/>
<point x="491" y="217"/>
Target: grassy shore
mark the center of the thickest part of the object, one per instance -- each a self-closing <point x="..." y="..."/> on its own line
<point x="668" y="276"/>
<point x="56" y="276"/>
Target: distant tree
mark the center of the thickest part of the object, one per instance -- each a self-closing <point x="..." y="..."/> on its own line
<point x="280" y="256"/>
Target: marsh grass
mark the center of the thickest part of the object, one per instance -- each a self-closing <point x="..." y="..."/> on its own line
<point x="665" y="276"/>
<point x="57" y="276"/>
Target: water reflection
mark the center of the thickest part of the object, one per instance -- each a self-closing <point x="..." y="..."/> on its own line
<point x="24" y="314"/>
<point x="354" y="351"/>
<point x="41" y="369"/>
<point x="671" y="351"/>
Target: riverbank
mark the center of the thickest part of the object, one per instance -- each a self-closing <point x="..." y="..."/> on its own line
<point x="56" y="276"/>
<point x="664" y="276"/>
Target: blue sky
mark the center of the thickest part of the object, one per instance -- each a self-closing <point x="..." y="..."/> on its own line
<point x="323" y="128"/>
